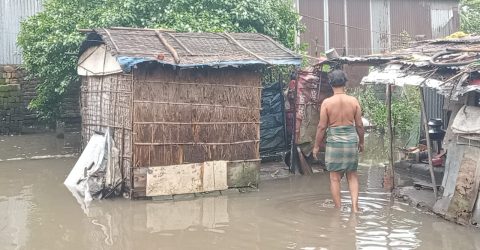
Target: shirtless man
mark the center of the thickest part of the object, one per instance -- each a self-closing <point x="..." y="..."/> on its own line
<point x="340" y="117"/>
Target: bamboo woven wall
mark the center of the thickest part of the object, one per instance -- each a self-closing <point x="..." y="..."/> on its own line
<point x="106" y="102"/>
<point x="195" y="115"/>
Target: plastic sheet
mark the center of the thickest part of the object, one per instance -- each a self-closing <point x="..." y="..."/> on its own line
<point x="97" y="171"/>
<point x="272" y="129"/>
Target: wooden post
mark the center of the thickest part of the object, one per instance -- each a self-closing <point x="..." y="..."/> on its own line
<point x="293" y="148"/>
<point x="389" y="181"/>
<point x="429" y="143"/>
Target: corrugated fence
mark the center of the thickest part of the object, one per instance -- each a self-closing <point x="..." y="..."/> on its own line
<point x="365" y="26"/>
<point x="12" y="12"/>
<point x="434" y="105"/>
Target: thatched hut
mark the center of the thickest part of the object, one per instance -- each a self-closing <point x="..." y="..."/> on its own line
<point x="183" y="108"/>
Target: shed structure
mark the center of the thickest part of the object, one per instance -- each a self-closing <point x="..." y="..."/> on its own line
<point x="183" y="108"/>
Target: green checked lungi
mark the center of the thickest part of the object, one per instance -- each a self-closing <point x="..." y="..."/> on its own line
<point x="341" y="152"/>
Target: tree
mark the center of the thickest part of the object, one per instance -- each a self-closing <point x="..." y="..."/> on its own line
<point x="469" y="13"/>
<point x="50" y="39"/>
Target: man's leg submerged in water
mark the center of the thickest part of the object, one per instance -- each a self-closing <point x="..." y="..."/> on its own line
<point x="335" y="178"/>
<point x="352" y="178"/>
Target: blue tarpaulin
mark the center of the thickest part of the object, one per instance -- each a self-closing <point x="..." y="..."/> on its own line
<point x="128" y="62"/>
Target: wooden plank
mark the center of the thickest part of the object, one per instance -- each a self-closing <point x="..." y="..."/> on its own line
<point x="140" y="178"/>
<point x="186" y="178"/>
<point x="466" y="189"/>
<point x="220" y="170"/>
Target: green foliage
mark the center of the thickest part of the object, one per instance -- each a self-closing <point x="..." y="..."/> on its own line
<point x="405" y="108"/>
<point x="50" y="40"/>
<point x="469" y="13"/>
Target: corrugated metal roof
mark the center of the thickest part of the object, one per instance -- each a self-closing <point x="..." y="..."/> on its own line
<point x="132" y="46"/>
<point x="12" y="12"/>
<point x="412" y="65"/>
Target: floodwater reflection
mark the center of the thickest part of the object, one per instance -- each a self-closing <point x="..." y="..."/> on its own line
<point x="38" y="212"/>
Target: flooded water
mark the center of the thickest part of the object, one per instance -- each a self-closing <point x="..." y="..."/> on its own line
<point x="31" y="146"/>
<point x="38" y="212"/>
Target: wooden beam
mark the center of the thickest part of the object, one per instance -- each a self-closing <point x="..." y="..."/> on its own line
<point x="168" y="46"/>
<point x="390" y="172"/>
<point x="180" y="43"/>
<point x="111" y="39"/>
<point x="293" y="147"/>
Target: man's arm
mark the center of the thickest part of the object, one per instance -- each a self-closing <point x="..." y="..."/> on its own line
<point x="321" y="128"/>
<point x="359" y="127"/>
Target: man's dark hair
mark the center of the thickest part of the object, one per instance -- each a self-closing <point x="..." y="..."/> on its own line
<point x="337" y="78"/>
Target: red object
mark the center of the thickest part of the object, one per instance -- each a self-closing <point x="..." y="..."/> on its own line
<point x="437" y="162"/>
<point x="160" y="57"/>
<point x="475" y="82"/>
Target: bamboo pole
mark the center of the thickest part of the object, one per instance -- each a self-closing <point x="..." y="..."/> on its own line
<point x="196" y="104"/>
<point x="169" y="47"/>
<point x="429" y="143"/>
<point x="293" y="147"/>
<point x="390" y="172"/>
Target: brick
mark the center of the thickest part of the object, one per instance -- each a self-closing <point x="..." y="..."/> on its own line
<point x="230" y="191"/>
<point x="208" y="194"/>
<point x="181" y="197"/>
<point x="8" y="69"/>
<point x="162" y="198"/>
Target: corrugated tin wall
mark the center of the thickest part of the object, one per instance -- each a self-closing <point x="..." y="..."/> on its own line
<point x="359" y="29"/>
<point x="12" y="12"/>
<point x="336" y="18"/>
<point x="434" y="104"/>
<point x="444" y="18"/>
<point x="380" y="23"/>
<point x="412" y="16"/>
<point x="312" y="17"/>
<point x="366" y="26"/>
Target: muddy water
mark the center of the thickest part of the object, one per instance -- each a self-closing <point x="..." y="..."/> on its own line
<point x="33" y="145"/>
<point x="38" y="212"/>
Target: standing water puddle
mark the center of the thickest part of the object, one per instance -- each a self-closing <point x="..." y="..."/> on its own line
<point x="38" y="212"/>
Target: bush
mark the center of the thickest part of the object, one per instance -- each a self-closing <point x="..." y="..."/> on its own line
<point x="405" y="108"/>
<point x="469" y="13"/>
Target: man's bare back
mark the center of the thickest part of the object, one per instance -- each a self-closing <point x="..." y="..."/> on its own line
<point x="341" y="110"/>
